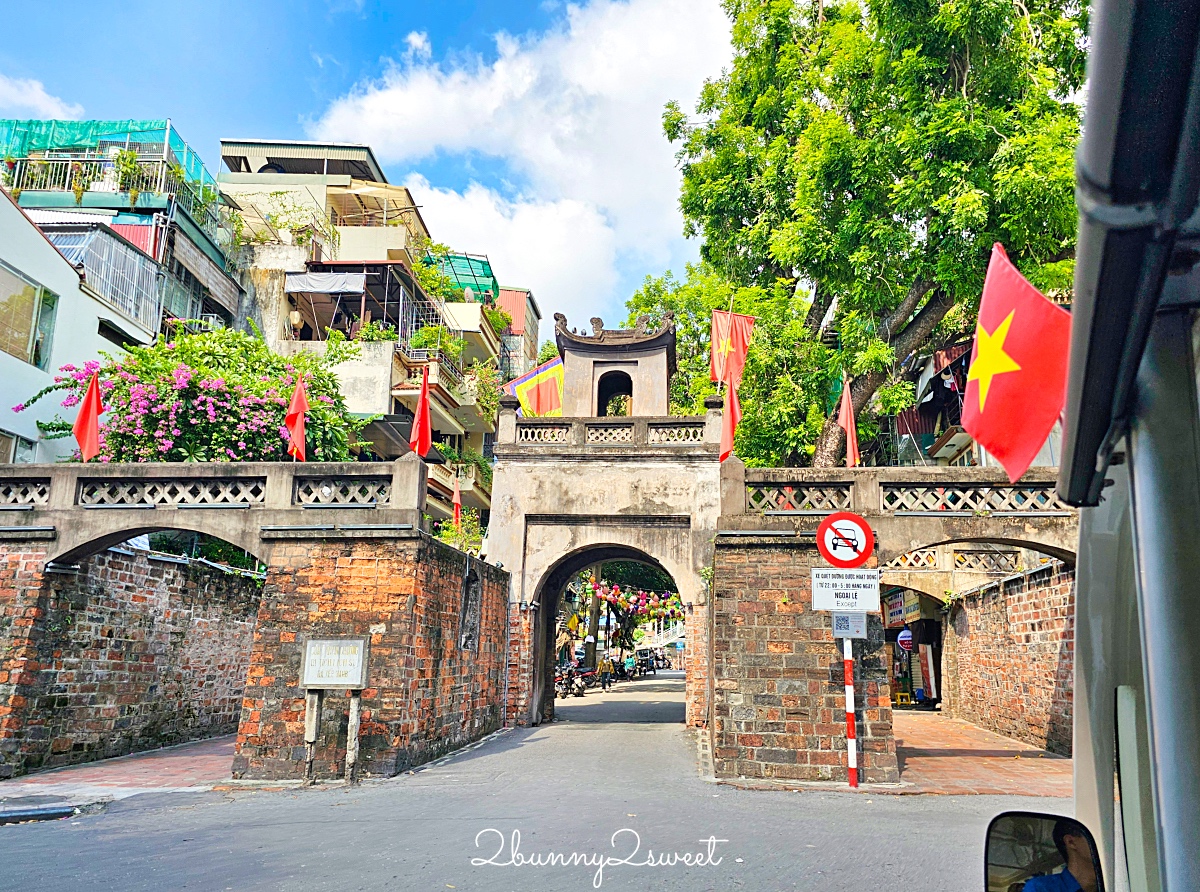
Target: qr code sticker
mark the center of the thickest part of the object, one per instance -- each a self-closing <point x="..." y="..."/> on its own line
<point x="841" y="624"/>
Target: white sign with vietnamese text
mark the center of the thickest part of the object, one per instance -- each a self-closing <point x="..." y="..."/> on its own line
<point x="335" y="663"/>
<point x="850" y="625"/>
<point x="856" y="590"/>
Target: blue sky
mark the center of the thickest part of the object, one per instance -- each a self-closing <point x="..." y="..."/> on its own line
<point x="528" y="131"/>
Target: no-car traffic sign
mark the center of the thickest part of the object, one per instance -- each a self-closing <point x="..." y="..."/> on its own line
<point x="845" y="540"/>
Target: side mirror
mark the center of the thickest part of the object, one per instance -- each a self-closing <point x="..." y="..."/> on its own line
<point x="1030" y="852"/>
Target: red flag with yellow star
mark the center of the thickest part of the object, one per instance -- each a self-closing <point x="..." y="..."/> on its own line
<point x="1017" y="380"/>
<point x="730" y="344"/>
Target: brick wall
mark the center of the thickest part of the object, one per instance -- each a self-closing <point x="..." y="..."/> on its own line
<point x="1008" y="657"/>
<point x="697" y="656"/>
<point x="133" y="652"/>
<point x="426" y="695"/>
<point x="779" y="695"/>
<point x="520" y="664"/>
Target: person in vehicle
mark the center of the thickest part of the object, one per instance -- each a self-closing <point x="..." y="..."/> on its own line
<point x="1080" y="873"/>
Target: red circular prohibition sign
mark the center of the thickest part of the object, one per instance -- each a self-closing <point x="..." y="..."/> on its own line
<point x="845" y="540"/>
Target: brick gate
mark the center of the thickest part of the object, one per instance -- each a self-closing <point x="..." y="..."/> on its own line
<point x="346" y="556"/>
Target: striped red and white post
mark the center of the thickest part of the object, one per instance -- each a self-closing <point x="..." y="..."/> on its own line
<point x="851" y="741"/>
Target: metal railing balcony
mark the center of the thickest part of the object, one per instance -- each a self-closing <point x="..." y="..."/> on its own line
<point x="97" y="175"/>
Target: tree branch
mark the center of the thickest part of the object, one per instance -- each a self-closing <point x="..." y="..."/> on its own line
<point x="831" y="444"/>
<point x="907" y="307"/>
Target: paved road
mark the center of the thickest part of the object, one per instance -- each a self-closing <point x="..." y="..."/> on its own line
<point x="613" y="762"/>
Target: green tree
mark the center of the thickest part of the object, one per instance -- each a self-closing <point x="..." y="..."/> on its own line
<point x="547" y="352"/>
<point x="874" y="152"/>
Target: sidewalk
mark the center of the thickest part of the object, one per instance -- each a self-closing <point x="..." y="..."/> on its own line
<point x="941" y="755"/>
<point x="187" y="768"/>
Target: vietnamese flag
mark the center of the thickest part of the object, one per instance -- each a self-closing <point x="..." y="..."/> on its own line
<point x="730" y="344"/>
<point x="294" y="421"/>
<point x="87" y="422"/>
<point x="457" y="503"/>
<point x="421" y="439"/>
<point x="1017" y="381"/>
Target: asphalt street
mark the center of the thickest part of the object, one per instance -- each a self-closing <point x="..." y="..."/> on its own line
<point x="619" y="764"/>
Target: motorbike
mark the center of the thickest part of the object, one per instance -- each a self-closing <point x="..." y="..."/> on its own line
<point x="568" y="683"/>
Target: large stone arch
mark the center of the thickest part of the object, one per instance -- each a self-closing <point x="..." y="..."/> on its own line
<point x="545" y="603"/>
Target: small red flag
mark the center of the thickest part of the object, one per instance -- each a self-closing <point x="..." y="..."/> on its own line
<point x="457" y="503"/>
<point x="1017" y="381"/>
<point x="421" y="439"/>
<point x="730" y="343"/>
<point x="729" y="422"/>
<point x="87" y="422"/>
<point x="294" y="421"/>
<point x="847" y="423"/>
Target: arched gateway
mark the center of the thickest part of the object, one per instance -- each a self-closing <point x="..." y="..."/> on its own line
<point x="583" y="488"/>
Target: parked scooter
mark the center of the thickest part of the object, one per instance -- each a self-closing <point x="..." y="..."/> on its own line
<point x="567" y="683"/>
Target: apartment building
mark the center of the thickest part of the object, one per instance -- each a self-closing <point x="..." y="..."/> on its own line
<point x="141" y="182"/>
<point x="521" y="339"/>
<point x="65" y="295"/>
<point x="324" y="243"/>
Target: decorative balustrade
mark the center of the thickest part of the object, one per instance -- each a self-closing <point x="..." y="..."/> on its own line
<point x="609" y="434"/>
<point x="940" y="492"/>
<point x="342" y="491"/>
<point x="543" y="433"/>
<point x="619" y="433"/>
<point x="920" y="559"/>
<point x="682" y="433"/>
<point x="24" y="493"/>
<point x="798" y="499"/>
<point x="180" y="493"/>
<point x="910" y="498"/>
<point x="988" y="561"/>
<point x="167" y="486"/>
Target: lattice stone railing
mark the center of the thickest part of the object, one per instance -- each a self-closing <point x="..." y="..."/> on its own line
<point x="543" y="433"/>
<point x="988" y="561"/>
<point x="675" y="434"/>
<point x="342" y="491"/>
<point x="920" y="559"/>
<point x="909" y="498"/>
<point x="776" y="498"/>
<point x="609" y="434"/>
<point x="183" y="492"/>
<point x="21" y="493"/>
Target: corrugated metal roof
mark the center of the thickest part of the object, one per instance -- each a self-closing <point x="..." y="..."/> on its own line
<point x="298" y="149"/>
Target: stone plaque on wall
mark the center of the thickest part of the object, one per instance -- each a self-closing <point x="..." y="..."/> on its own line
<point x="331" y="663"/>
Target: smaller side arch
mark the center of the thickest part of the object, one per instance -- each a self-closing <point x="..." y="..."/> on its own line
<point x="75" y="543"/>
<point x="611" y="384"/>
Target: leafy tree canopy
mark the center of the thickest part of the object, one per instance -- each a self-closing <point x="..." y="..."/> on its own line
<point x="873" y="152"/>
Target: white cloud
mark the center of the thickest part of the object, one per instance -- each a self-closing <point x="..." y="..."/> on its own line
<point x="25" y="97"/>
<point x="419" y="46"/>
<point x="562" y="248"/>
<point x="575" y="113"/>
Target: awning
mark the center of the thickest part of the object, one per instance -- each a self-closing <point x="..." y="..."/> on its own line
<point x="223" y="289"/>
<point x="326" y="283"/>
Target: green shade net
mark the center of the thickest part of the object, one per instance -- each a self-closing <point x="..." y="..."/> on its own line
<point x="471" y="270"/>
<point x="22" y="139"/>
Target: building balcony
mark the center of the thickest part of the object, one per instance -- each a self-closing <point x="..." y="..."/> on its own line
<point x="156" y="184"/>
<point x="483" y="342"/>
<point x="474" y="490"/>
<point x="114" y="270"/>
